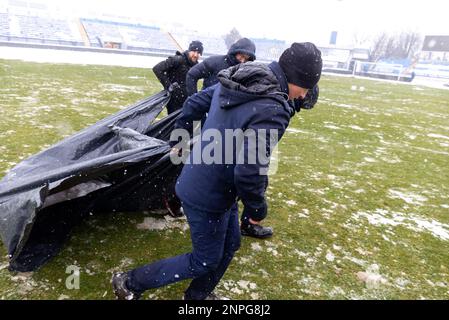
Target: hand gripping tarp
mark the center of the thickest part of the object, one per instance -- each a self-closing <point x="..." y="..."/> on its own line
<point x="121" y="163"/>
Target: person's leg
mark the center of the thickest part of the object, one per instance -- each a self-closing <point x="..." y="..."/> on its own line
<point x="244" y="219"/>
<point x="202" y="286"/>
<point x="208" y="233"/>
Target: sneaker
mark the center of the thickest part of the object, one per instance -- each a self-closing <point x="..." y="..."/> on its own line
<point x="121" y="291"/>
<point x="173" y="207"/>
<point x="255" y="231"/>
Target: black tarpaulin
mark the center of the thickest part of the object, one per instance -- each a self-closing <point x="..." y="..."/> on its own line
<point x="120" y="163"/>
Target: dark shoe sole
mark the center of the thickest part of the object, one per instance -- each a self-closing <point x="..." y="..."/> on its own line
<point x="247" y="234"/>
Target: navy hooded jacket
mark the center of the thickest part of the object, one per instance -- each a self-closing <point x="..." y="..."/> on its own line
<point x="209" y="68"/>
<point x="249" y="96"/>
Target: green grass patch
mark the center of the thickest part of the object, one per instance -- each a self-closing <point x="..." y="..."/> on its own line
<point x="359" y="203"/>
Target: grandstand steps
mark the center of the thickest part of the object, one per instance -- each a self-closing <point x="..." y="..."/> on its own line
<point x="14" y="26"/>
<point x="83" y="33"/>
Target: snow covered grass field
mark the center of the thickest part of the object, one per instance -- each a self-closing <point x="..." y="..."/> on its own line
<point x="359" y="204"/>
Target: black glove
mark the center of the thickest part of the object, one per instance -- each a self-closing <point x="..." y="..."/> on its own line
<point x="174" y="86"/>
<point x="309" y="101"/>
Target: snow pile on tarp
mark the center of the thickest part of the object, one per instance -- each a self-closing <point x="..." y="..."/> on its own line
<point x="121" y="163"/>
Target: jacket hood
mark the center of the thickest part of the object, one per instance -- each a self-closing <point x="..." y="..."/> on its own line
<point x="245" y="46"/>
<point x="249" y="81"/>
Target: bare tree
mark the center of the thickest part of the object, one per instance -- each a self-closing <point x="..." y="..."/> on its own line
<point x="232" y="37"/>
<point x="391" y="48"/>
<point x="399" y="46"/>
<point x="378" y="47"/>
<point x="410" y="43"/>
<point x="359" y="39"/>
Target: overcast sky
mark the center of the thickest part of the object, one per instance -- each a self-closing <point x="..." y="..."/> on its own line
<point x="296" y="20"/>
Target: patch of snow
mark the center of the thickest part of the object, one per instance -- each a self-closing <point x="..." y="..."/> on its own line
<point x="167" y="222"/>
<point x="246" y="285"/>
<point x="410" y="198"/>
<point x="273" y="251"/>
<point x="301" y="254"/>
<point x="256" y="246"/>
<point x="354" y="127"/>
<point x="330" y="256"/>
<point x="255" y="296"/>
<point x="236" y="290"/>
<point x="337" y="291"/>
<point x="117" y="87"/>
<point x="355" y="260"/>
<point x="150" y="223"/>
<point x="362" y="251"/>
<point x="401" y="283"/>
<point x="430" y="151"/>
<point x="371" y="277"/>
<point x="302" y="215"/>
<point x="330" y="126"/>
<point x="410" y="221"/>
<point x="439" y="136"/>
<point x="293" y="130"/>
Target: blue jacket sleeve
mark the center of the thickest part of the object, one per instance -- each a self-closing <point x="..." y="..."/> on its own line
<point x="250" y="177"/>
<point x="194" y="109"/>
<point x="200" y="71"/>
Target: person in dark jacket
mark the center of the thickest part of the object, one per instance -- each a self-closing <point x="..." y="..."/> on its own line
<point x="253" y="97"/>
<point x="172" y="74"/>
<point x="242" y="51"/>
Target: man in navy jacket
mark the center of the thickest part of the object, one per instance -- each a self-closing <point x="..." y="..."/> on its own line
<point x="250" y="97"/>
<point x="242" y="51"/>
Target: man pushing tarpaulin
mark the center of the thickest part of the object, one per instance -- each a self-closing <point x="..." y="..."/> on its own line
<point x="121" y="163"/>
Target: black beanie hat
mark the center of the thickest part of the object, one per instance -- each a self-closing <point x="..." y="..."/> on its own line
<point x="196" y="46"/>
<point x="302" y="64"/>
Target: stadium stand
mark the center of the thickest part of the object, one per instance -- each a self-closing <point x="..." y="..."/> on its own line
<point x="269" y="49"/>
<point x="30" y="24"/>
<point x="4" y="26"/>
<point x="36" y="29"/>
<point x="127" y="36"/>
<point x="266" y="49"/>
<point x="212" y="45"/>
